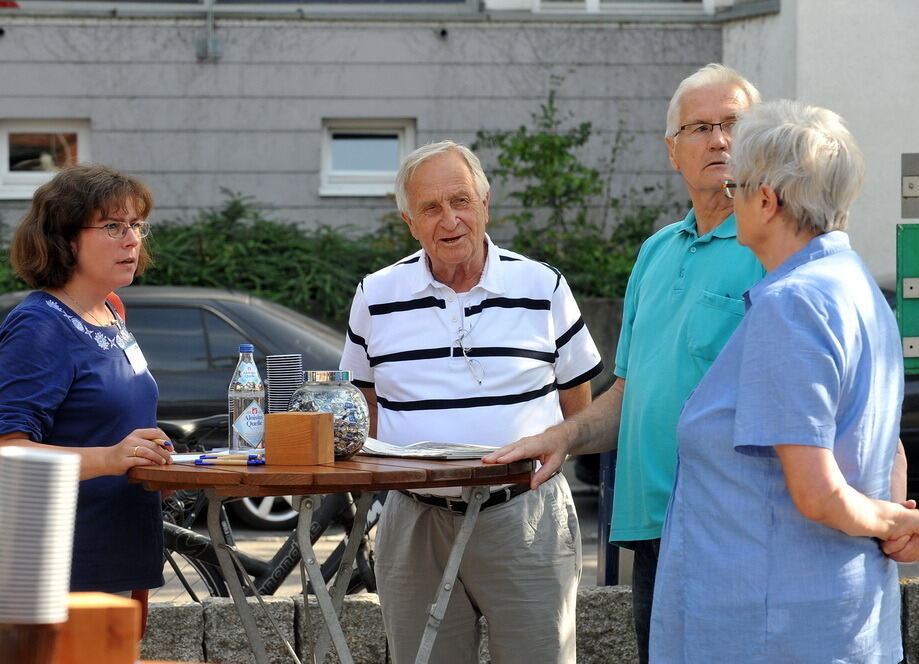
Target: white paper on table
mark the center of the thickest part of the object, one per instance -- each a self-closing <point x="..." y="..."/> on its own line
<point x="217" y="451"/>
<point x="426" y="450"/>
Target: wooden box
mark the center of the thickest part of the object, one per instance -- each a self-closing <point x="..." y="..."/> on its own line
<point x="100" y="628"/>
<point x="298" y="439"/>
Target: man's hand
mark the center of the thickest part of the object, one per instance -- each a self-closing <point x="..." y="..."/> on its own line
<point x="903" y="549"/>
<point x="594" y="428"/>
<point x="550" y="448"/>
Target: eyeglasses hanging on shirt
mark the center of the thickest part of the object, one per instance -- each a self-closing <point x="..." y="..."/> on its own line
<point x="475" y="367"/>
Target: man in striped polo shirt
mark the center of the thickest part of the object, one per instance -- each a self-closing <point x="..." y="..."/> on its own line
<point x="683" y="301"/>
<point x="465" y="342"/>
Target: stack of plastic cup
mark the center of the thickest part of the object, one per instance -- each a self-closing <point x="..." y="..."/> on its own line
<point x="38" y="491"/>
<point x="285" y="375"/>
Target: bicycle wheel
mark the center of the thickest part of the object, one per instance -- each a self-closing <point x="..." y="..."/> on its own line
<point x="185" y="551"/>
<point x="334" y="509"/>
<point x="363" y="576"/>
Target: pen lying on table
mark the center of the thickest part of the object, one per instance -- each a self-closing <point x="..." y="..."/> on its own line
<point x="229" y="462"/>
<point x="230" y="456"/>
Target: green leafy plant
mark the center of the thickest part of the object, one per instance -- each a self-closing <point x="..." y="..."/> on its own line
<point x="8" y="279"/>
<point x="566" y="215"/>
<point x="237" y="246"/>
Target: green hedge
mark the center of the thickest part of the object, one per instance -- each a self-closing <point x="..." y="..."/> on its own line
<point x="565" y="211"/>
<point x="237" y="246"/>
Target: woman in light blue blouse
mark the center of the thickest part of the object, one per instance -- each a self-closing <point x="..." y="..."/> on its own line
<point x="787" y="447"/>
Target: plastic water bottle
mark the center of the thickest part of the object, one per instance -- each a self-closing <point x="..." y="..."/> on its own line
<point x="246" y="398"/>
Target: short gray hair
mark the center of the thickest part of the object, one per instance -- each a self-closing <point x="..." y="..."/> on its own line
<point x="425" y="152"/>
<point x="711" y="74"/>
<point x="806" y="154"/>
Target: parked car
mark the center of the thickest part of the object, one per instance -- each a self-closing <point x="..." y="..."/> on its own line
<point x="191" y="337"/>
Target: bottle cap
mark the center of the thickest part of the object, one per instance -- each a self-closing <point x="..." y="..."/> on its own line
<point x="246" y="348"/>
<point x="334" y="376"/>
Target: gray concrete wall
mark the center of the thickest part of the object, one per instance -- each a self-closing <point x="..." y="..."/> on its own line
<point x="212" y="632"/>
<point x="853" y="62"/>
<point x="251" y="121"/>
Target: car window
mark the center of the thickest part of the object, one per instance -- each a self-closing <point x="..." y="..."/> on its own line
<point x="224" y="342"/>
<point x="291" y="333"/>
<point x="171" y="338"/>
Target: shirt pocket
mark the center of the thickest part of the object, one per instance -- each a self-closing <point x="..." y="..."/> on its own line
<point x="712" y="320"/>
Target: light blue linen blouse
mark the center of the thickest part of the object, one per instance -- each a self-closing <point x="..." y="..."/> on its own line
<point x="743" y="576"/>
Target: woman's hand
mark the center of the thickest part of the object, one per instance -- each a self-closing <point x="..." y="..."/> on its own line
<point x="141" y="447"/>
<point x="903" y="549"/>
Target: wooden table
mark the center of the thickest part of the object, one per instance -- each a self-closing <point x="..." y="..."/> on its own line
<point x="365" y="474"/>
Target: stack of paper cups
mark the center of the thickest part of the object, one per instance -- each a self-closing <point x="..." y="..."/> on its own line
<point x="38" y="491"/>
<point x="285" y="375"/>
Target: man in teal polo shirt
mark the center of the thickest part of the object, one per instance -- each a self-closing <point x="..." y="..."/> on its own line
<point x="683" y="301"/>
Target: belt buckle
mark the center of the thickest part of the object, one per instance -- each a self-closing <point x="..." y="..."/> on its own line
<point x="452" y="501"/>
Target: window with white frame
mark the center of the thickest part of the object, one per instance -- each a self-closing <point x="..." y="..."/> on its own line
<point x="31" y="151"/>
<point x="361" y="157"/>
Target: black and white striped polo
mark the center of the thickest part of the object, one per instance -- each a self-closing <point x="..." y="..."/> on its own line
<point x="480" y="367"/>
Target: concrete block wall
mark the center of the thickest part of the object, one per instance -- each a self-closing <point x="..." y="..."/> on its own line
<point x="212" y="632"/>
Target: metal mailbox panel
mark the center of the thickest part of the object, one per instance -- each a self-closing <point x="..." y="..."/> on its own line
<point x="908" y="293"/>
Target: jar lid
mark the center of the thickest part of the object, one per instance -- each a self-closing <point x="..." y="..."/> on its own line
<point x="335" y="376"/>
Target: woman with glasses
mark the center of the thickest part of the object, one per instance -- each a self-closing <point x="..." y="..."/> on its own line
<point x="73" y="376"/>
<point x="789" y="461"/>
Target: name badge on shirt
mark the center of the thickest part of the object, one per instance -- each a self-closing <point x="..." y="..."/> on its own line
<point x="132" y="351"/>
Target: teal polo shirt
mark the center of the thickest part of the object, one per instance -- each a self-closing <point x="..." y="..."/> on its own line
<point x="683" y="301"/>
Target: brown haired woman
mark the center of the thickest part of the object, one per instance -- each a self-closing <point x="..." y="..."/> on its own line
<point x="75" y="378"/>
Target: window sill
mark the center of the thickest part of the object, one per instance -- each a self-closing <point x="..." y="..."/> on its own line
<point x="356" y="191"/>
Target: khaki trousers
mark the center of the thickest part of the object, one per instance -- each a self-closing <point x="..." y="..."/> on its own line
<point x="520" y="570"/>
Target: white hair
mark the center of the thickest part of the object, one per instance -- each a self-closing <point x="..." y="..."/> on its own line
<point x="425" y="152"/>
<point x="806" y="154"/>
<point x="711" y="74"/>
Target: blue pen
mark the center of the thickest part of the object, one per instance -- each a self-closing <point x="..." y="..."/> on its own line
<point x="230" y="456"/>
<point x="230" y="462"/>
<point x="163" y="442"/>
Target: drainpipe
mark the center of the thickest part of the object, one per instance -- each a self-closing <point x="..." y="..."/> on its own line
<point x="209" y="48"/>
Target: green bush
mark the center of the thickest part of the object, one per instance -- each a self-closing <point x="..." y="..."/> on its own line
<point x="8" y="280"/>
<point x="237" y="246"/>
<point x="558" y="196"/>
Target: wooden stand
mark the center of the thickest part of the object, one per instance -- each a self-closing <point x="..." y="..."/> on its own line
<point x="100" y="628"/>
<point x="29" y="644"/>
<point x="298" y="439"/>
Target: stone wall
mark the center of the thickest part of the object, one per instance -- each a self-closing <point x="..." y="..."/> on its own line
<point x="212" y="632"/>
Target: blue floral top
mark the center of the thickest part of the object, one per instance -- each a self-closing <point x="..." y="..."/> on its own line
<point x="68" y="383"/>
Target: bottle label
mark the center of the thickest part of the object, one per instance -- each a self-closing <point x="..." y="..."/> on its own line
<point x="248" y="373"/>
<point x="250" y="425"/>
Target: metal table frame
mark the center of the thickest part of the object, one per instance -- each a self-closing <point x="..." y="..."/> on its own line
<point x="365" y="474"/>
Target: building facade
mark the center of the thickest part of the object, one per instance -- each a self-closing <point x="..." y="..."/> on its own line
<point x="308" y="107"/>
